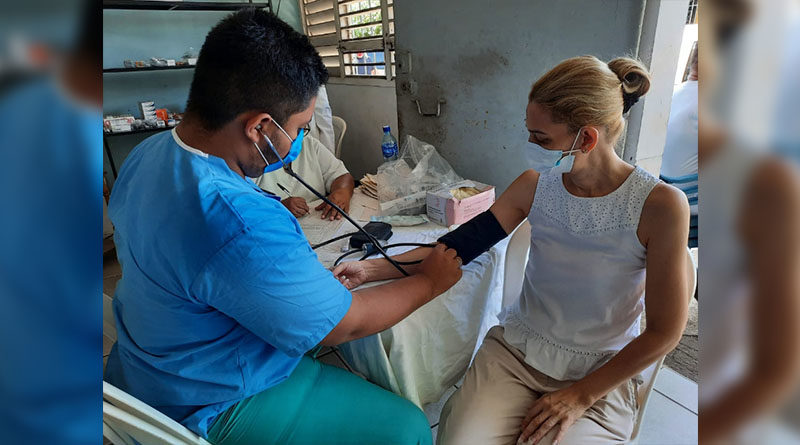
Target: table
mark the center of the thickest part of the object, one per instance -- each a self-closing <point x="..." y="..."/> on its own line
<point x="426" y="353"/>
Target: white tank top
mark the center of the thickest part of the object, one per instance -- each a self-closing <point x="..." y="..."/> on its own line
<point x="583" y="291"/>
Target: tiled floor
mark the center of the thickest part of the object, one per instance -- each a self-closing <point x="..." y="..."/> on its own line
<point x="670" y="415"/>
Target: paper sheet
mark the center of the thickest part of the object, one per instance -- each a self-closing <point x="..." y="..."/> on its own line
<point x="317" y="229"/>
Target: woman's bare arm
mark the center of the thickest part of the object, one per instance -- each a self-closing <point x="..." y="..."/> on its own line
<point x="771" y="234"/>
<point x="664" y="225"/>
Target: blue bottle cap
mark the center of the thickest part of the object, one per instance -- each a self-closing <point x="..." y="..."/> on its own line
<point x="386" y="129"/>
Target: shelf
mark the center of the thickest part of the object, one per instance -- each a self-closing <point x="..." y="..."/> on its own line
<point x="145" y="130"/>
<point x="179" y="6"/>
<point x="147" y="68"/>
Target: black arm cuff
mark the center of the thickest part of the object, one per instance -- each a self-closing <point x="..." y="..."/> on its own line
<point x="475" y="236"/>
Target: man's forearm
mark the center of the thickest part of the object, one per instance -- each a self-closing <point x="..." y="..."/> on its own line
<point x="380" y="269"/>
<point x="344" y="183"/>
<point x="390" y="303"/>
<point x="378" y="308"/>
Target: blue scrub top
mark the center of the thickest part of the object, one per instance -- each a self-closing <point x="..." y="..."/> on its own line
<point x="50" y="320"/>
<point x="220" y="295"/>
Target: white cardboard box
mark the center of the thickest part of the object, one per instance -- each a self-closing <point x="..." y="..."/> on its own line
<point x="446" y="210"/>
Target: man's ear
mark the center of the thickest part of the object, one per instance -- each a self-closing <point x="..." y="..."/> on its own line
<point x="255" y="125"/>
<point x="588" y="139"/>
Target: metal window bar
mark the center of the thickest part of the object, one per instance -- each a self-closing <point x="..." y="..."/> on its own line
<point x="363" y="25"/>
<point x="350" y="3"/>
<point x="691" y="15"/>
<point x="317" y="24"/>
<point x="362" y="11"/>
<point x="385" y="28"/>
<point x="357" y="69"/>
<point x="337" y="21"/>
<point x="352" y="28"/>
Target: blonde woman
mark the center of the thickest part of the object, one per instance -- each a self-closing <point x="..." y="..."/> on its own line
<point x="563" y="364"/>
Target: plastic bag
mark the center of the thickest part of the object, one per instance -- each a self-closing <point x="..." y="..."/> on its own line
<point x="403" y="184"/>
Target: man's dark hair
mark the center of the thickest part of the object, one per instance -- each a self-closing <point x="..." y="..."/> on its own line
<point x="251" y="60"/>
<point x="90" y="40"/>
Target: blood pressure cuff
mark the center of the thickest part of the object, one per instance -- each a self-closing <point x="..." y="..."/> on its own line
<point x="475" y="236"/>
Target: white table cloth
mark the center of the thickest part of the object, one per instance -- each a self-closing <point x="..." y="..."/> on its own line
<point x="426" y="353"/>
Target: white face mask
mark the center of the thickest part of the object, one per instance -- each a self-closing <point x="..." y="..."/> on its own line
<point x="554" y="161"/>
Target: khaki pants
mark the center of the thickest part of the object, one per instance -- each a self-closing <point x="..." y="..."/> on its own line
<point x="500" y="387"/>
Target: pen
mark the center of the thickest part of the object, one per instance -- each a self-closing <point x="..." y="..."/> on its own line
<point x="284" y="189"/>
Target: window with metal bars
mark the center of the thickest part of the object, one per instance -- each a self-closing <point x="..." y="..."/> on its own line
<point x="354" y="37"/>
<point x="691" y="16"/>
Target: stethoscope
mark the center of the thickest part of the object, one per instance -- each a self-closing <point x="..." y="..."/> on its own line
<point x="373" y="241"/>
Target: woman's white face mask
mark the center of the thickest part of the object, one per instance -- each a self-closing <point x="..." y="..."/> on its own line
<point x="554" y="161"/>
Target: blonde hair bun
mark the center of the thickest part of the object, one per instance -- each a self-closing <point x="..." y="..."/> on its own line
<point x="634" y="78"/>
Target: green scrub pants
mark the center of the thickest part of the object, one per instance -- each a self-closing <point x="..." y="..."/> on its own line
<point x="322" y="405"/>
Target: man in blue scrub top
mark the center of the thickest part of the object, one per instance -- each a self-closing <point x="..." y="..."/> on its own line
<point x="221" y="295"/>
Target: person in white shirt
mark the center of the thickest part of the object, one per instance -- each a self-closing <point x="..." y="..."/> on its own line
<point x="322" y="171"/>
<point x="321" y="126"/>
<point x="679" y="163"/>
<point x="680" y="148"/>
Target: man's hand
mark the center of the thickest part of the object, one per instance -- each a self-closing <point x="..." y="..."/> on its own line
<point x="442" y="267"/>
<point x="352" y="274"/>
<point x="297" y="206"/>
<point x="558" y="409"/>
<point x="340" y="197"/>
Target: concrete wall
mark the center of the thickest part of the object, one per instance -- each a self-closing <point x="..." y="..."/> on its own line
<point x="366" y="105"/>
<point x="483" y="59"/>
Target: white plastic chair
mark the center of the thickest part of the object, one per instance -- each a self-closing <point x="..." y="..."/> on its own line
<point x="339" y="129"/>
<point x="127" y="420"/>
<point x="516" y="259"/>
<point x="514" y="273"/>
<point x="650" y="374"/>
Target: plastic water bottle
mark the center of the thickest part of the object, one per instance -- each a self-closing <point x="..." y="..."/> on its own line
<point x="388" y="145"/>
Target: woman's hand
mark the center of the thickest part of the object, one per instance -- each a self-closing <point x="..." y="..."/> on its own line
<point x="352" y="274"/>
<point x="558" y="409"/>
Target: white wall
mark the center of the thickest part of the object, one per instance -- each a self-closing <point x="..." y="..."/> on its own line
<point x="366" y="105"/>
<point x="659" y="47"/>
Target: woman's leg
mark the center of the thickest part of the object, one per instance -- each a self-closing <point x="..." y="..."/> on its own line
<point x="490" y="405"/>
<point x="500" y="387"/>
<point x="322" y="404"/>
<point x="608" y="421"/>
